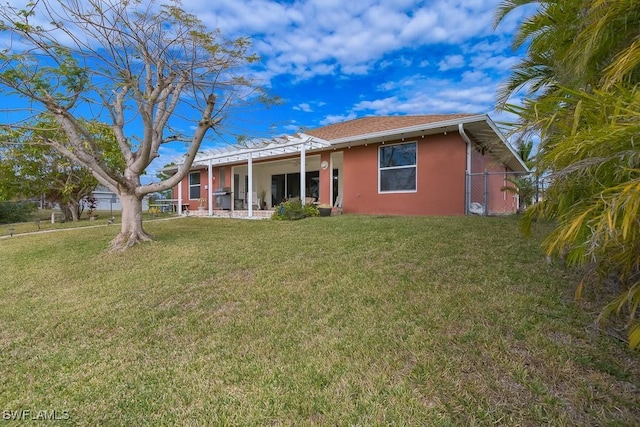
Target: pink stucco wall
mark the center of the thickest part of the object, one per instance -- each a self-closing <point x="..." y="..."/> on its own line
<point x="440" y="179"/>
<point x="325" y="179"/>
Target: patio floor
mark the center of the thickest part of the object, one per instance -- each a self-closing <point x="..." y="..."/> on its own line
<point x="220" y="213"/>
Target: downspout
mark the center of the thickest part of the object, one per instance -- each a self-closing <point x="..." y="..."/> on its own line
<point x="303" y="172"/>
<point x="250" y="183"/>
<point x="467" y="181"/>
<point x="179" y="207"/>
<point x="210" y="187"/>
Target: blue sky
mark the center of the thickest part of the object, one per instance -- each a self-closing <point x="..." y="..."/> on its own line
<point x="335" y="60"/>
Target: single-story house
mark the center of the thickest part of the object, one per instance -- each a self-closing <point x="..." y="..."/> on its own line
<point x="107" y="200"/>
<point x="391" y="165"/>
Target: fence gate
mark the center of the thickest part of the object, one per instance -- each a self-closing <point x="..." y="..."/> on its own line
<point x="487" y="193"/>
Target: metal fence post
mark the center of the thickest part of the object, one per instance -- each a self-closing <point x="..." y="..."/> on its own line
<point x="467" y="192"/>
<point x="486" y="192"/>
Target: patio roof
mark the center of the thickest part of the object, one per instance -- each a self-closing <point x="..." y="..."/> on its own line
<point x="267" y="148"/>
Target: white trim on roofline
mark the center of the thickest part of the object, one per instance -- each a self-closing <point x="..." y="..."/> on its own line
<point x="291" y="144"/>
<point x="494" y="127"/>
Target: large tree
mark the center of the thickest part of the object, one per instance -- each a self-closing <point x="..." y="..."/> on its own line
<point x="32" y="169"/>
<point x="586" y="111"/>
<point x="147" y="69"/>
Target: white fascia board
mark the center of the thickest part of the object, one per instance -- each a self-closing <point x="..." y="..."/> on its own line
<point x="497" y="131"/>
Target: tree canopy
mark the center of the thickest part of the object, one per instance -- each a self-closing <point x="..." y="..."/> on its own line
<point x="32" y="169"/>
<point x="153" y="72"/>
<point x="580" y="78"/>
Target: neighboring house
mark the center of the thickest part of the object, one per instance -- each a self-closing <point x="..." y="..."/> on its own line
<point x="107" y="200"/>
<point x="391" y="165"/>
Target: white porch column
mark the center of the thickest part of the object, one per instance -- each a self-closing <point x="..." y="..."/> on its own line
<point x="210" y="187"/>
<point x="179" y="207"/>
<point x="303" y="168"/>
<point x="250" y="189"/>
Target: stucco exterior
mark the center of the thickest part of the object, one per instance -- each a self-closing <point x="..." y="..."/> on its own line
<point x="342" y="162"/>
<point x="440" y="188"/>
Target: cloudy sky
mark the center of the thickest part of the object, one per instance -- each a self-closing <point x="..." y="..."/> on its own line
<point x="335" y="60"/>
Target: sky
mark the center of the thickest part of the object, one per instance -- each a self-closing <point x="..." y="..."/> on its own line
<point x="336" y="60"/>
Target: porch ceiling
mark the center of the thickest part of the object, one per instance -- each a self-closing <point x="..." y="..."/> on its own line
<point x="489" y="136"/>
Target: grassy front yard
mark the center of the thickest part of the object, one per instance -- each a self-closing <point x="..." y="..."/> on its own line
<point x="325" y="321"/>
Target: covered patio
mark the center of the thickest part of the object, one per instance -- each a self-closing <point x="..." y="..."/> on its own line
<point x="250" y="182"/>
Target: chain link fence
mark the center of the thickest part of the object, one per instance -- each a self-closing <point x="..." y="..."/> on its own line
<point x="502" y="193"/>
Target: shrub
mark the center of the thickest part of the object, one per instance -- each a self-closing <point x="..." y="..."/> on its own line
<point x="11" y="212"/>
<point x="292" y="210"/>
<point x="311" y="210"/>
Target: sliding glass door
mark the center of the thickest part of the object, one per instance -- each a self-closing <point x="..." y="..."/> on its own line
<point x="286" y="186"/>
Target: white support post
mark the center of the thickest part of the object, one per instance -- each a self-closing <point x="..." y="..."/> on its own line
<point x="179" y="207"/>
<point x="250" y="184"/>
<point x="210" y="187"/>
<point x="303" y="167"/>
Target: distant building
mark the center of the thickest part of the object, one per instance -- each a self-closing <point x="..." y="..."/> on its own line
<point x="107" y="200"/>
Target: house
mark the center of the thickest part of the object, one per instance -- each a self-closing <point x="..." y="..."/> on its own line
<point x="390" y="165"/>
<point x="107" y="200"/>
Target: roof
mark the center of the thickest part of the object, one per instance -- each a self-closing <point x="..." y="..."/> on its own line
<point x="370" y="130"/>
<point x="366" y="125"/>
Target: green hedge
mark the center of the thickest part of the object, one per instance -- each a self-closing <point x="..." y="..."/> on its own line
<point x="11" y="212"/>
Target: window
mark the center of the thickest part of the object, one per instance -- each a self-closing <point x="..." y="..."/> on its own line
<point x="397" y="168"/>
<point x="194" y="185"/>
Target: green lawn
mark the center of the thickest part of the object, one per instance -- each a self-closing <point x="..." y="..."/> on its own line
<point x="348" y="320"/>
<point x="41" y="221"/>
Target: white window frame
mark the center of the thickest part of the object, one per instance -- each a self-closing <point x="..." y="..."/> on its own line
<point x="195" y="185"/>
<point x="380" y="169"/>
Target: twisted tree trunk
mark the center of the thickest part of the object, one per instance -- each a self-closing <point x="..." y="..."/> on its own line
<point x="131" y="231"/>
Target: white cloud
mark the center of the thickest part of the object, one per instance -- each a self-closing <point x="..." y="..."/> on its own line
<point x="451" y="62"/>
<point x="350" y="36"/>
<point x="476" y="77"/>
<point x="496" y="62"/>
<point x="396" y="51"/>
<point x="303" y="107"/>
<point x="331" y="119"/>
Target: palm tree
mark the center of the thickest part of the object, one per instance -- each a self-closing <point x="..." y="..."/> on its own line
<point x="582" y="75"/>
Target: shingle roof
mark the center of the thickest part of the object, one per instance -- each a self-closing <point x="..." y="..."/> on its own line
<point x="367" y="125"/>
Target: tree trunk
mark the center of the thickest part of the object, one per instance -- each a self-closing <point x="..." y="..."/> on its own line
<point x="74" y="210"/>
<point x="68" y="212"/>
<point x="131" y="231"/>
